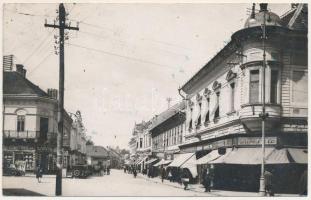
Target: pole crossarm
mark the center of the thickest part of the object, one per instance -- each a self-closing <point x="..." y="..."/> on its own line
<point x="58" y="26"/>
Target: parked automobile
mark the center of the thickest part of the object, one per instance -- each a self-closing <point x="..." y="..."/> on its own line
<point x="13" y="171"/>
<point x="81" y="171"/>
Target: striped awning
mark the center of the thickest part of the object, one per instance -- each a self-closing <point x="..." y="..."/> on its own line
<point x="151" y="160"/>
<point x="163" y="162"/>
<point x="208" y="158"/>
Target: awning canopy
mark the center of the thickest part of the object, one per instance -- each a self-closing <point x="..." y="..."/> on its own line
<point x="208" y="158"/>
<point x="151" y="161"/>
<point x="141" y="160"/>
<point x="253" y="156"/>
<point x="299" y="155"/>
<point x="191" y="164"/>
<point x="162" y="162"/>
<point x="181" y="159"/>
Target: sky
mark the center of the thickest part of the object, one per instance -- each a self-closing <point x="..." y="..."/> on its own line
<point x="125" y="60"/>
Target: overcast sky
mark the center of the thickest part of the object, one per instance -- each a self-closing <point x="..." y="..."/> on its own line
<point x="126" y="60"/>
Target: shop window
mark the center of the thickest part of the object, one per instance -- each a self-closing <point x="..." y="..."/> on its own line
<point x="254" y="86"/>
<point x="300" y="87"/>
<point x="274" y="86"/>
<point x="20" y="123"/>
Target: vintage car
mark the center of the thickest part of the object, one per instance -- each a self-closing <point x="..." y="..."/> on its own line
<point x="81" y="171"/>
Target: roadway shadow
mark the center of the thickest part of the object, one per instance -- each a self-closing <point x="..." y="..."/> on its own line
<point x="19" y="192"/>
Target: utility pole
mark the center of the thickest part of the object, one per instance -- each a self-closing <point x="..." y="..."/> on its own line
<point x="62" y="26"/>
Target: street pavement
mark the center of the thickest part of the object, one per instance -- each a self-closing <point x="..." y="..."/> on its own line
<point x="117" y="183"/>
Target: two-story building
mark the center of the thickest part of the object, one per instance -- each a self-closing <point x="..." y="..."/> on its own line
<point x="29" y="121"/>
<point x="224" y="103"/>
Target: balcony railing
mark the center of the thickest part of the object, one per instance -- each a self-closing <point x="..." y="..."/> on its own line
<point x="21" y="134"/>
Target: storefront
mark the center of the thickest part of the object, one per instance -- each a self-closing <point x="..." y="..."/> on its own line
<point x="236" y="162"/>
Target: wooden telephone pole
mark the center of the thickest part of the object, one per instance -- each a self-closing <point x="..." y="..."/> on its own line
<point x="62" y="26"/>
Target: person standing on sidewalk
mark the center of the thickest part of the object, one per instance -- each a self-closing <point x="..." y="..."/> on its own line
<point x="268" y="183"/>
<point x="162" y="173"/>
<point x="207" y="180"/>
<point x="39" y="173"/>
<point x="185" y="179"/>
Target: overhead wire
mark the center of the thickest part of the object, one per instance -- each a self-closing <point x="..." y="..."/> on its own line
<point x="121" y="56"/>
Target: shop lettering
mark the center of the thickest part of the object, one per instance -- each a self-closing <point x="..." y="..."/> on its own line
<point x="256" y="141"/>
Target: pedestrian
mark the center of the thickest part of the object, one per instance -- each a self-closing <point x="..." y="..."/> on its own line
<point x="185" y="178"/>
<point x="268" y="183"/>
<point x="207" y="180"/>
<point x="108" y="170"/>
<point x="134" y="173"/>
<point x="303" y="183"/>
<point x="104" y="168"/>
<point x="39" y="173"/>
<point x="162" y="173"/>
<point x="169" y="175"/>
<point x="124" y="168"/>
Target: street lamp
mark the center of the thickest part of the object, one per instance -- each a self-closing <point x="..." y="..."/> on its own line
<point x="263" y="115"/>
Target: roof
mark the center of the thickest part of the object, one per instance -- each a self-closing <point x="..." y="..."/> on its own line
<point x="231" y="47"/>
<point x="96" y="151"/>
<point x="167" y="114"/>
<point x="15" y="84"/>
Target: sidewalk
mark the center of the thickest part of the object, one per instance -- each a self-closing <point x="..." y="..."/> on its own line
<point x="199" y="188"/>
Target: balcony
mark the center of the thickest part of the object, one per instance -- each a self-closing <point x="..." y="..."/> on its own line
<point x="250" y="116"/>
<point x="21" y="135"/>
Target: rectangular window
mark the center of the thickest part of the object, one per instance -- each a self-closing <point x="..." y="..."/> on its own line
<point x="44" y="127"/>
<point x="232" y="86"/>
<point x="217" y="106"/>
<point x="274" y="86"/>
<point x="20" y="123"/>
<point x="254" y="86"/>
<point x="300" y="87"/>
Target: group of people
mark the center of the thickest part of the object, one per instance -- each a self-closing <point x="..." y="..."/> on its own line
<point x="130" y="169"/>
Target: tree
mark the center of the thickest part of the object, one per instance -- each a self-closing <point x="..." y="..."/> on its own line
<point x="89" y="142"/>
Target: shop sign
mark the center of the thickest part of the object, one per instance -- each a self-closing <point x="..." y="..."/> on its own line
<point x="218" y="144"/>
<point x="19" y="148"/>
<point x="42" y="148"/>
<point x="256" y="140"/>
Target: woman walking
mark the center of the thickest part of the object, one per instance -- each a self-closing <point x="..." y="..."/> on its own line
<point x="39" y="173"/>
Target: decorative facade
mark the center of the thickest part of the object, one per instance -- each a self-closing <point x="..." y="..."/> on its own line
<point x="224" y="98"/>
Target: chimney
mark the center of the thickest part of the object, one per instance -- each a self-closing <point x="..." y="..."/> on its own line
<point x="20" y="69"/>
<point x="52" y="93"/>
<point x="8" y="61"/>
<point x="263" y="7"/>
<point x="253" y="11"/>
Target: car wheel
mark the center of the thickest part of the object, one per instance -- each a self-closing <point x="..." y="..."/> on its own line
<point x="76" y="173"/>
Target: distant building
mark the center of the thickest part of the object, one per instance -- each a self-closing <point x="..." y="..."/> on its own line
<point x="167" y="131"/>
<point x="96" y="155"/>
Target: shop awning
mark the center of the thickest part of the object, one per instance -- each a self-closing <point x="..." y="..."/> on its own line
<point x="208" y="158"/>
<point x="191" y="164"/>
<point x="299" y="155"/>
<point x="253" y="156"/>
<point x="141" y="160"/>
<point x="181" y="159"/>
<point x="151" y="161"/>
<point x="162" y="162"/>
